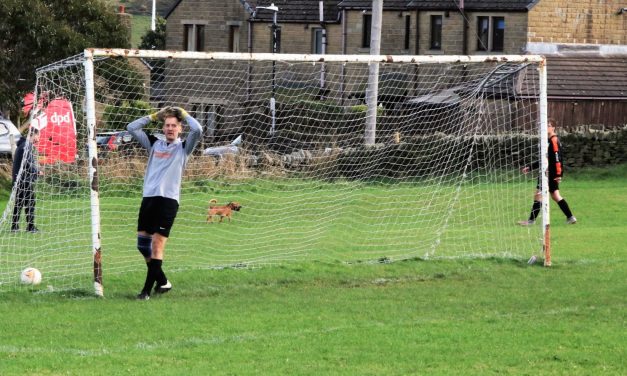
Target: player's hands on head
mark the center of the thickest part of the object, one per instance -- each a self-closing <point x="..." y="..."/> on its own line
<point x="184" y="113"/>
<point x="162" y="112"/>
<point x="160" y="115"/>
<point x="169" y="111"/>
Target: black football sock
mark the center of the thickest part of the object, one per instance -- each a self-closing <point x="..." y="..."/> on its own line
<point x="535" y="210"/>
<point x="150" y="277"/>
<point x="565" y="209"/>
<point x="162" y="279"/>
<point x="159" y="274"/>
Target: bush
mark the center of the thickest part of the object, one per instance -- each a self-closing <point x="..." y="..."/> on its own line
<point x="117" y="117"/>
<point x="123" y="81"/>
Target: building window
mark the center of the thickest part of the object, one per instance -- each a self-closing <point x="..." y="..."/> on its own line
<point x="233" y="38"/>
<point x="317" y="41"/>
<point x="490" y="33"/>
<point x="194" y="37"/>
<point x="498" y="33"/>
<point x="483" y="36"/>
<point x="365" y="33"/>
<point x="407" y="31"/>
<point x="436" y="32"/>
<point x="207" y="115"/>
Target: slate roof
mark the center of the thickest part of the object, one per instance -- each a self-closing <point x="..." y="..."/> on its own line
<point x="302" y="11"/>
<point x="470" y="5"/>
<point x="587" y="76"/>
<point x="365" y="4"/>
<point x="306" y="11"/>
<point x="473" y="5"/>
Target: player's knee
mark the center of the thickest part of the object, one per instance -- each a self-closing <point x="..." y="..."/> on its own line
<point x="144" y="245"/>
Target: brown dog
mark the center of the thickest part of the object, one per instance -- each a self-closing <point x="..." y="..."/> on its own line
<point x="221" y="210"/>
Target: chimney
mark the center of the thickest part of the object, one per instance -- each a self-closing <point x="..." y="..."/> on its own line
<point x="126" y="19"/>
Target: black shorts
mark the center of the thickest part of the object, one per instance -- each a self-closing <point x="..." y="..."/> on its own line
<point x="553" y="185"/>
<point x="156" y="215"/>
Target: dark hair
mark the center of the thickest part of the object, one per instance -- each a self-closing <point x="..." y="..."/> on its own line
<point x="172" y="112"/>
<point x="552" y="121"/>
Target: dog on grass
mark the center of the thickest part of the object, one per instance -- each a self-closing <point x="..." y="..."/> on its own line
<point x="221" y="210"/>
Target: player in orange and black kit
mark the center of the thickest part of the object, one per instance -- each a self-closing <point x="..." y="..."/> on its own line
<point x="556" y="169"/>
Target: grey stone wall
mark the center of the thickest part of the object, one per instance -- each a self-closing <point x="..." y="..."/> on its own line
<point x="593" y="148"/>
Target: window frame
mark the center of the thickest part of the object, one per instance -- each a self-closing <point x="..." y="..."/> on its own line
<point x="407" y="32"/>
<point x="234" y="38"/>
<point x="208" y="114"/>
<point x="193" y="36"/>
<point x="317" y="39"/>
<point x="490" y="34"/>
<point x="483" y="33"/>
<point x="366" y="22"/>
<point x="435" y="35"/>
<point x="498" y="41"/>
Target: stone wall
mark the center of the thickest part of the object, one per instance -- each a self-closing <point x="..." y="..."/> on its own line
<point x="452" y="26"/>
<point x="392" y="33"/>
<point x="296" y="38"/>
<point x="215" y="16"/>
<point x="594" y="148"/>
<point x="410" y="159"/>
<point x="578" y="21"/>
<point x="548" y="21"/>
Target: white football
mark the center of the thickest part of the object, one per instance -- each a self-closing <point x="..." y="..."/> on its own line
<point x="30" y="276"/>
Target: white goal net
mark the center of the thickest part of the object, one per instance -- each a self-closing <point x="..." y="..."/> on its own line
<point x="285" y="137"/>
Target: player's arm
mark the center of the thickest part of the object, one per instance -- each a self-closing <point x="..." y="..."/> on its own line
<point x="136" y="128"/>
<point x="195" y="132"/>
<point x="17" y="162"/>
<point x="555" y="157"/>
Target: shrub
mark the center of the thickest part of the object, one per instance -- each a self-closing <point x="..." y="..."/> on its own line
<point x="117" y="117"/>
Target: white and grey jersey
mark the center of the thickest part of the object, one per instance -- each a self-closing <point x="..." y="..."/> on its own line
<point x="166" y="161"/>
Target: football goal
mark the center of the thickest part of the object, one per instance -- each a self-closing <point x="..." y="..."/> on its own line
<point x="330" y="159"/>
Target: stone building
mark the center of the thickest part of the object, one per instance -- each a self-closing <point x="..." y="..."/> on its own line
<point x="560" y="29"/>
<point x="444" y="27"/>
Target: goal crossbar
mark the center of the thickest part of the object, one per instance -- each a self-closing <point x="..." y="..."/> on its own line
<point x="417" y="59"/>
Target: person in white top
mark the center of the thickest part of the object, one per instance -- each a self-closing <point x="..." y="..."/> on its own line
<point x="162" y="187"/>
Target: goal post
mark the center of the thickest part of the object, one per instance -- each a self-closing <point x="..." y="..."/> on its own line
<point x="544" y="164"/>
<point x="92" y="156"/>
<point x="432" y="172"/>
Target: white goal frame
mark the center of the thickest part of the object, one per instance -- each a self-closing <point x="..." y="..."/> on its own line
<point x="90" y="55"/>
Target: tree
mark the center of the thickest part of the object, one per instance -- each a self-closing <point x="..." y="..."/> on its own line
<point x="39" y="32"/>
<point x="154" y="40"/>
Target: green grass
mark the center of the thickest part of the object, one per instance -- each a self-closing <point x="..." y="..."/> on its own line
<point x="285" y="219"/>
<point x="443" y="317"/>
<point x="141" y="25"/>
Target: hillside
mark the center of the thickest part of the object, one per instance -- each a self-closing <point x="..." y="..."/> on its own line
<point x="143" y="7"/>
<point x="141" y="11"/>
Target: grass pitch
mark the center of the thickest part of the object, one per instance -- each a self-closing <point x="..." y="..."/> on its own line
<point x="473" y="316"/>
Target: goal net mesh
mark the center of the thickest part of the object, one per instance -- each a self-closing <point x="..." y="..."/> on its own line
<point x="284" y="139"/>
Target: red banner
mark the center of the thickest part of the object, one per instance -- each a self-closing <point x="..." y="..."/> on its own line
<point x="57" y="132"/>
